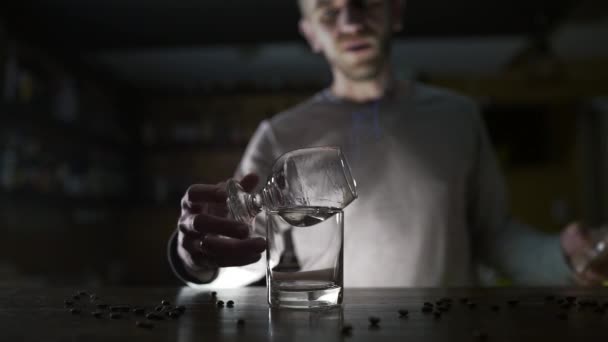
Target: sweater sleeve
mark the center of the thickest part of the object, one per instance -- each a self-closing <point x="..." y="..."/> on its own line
<point x="525" y="255"/>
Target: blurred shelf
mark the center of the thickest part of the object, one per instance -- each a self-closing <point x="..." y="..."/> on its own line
<point x="192" y="147"/>
<point x="37" y="116"/>
<point x="29" y="198"/>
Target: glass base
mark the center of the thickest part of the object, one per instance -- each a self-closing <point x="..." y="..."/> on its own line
<point x="304" y="298"/>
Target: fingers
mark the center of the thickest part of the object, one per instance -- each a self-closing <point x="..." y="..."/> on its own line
<point x="239" y="252"/>
<point x="249" y="182"/>
<point x="230" y="251"/>
<point x="203" y="224"/>
<point x="205" y="193"/>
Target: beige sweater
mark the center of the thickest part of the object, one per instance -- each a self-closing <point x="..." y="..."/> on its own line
<point x="431" y="205"/>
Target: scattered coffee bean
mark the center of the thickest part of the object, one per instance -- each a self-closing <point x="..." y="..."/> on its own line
<point x="120" y="308"/>
<point x="373" y="321"/>
<point x="115" y="315"/>
<point x="75" y="311"/>
<point x="173" y="314"/>
<point x="562" y="316"/>
<point x="403" y="313"/>
<point x="495" y="308"/>
<point x="159" y="308"/>
<point x="97" y="314"/>
<point x="76" y="297"/>
<point x="479" y="335"/>
<point x="347" y="330"/>
<point x="102" y="305"/>
<point x="165" y="302"/>
<point x="230" y="303"/>
<point x="68" y="302"/>
<point x="213" y="294"/>
<point x="428" y="304"/>
<point x="93" y="298"/>
<point x="241" y="322"/>
<point x="464" y="300"/>
<point x="82" y="293"/>
<point x="145" y="325"/>
<point x="139" y="311"/>
<point x="154" y="316"/>
<point x="220" y="303"/>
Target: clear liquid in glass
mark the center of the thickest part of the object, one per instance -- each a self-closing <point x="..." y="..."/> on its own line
<point x="318" y="233"/>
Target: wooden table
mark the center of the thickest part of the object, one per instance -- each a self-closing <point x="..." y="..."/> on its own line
<point x="40" y="315"/>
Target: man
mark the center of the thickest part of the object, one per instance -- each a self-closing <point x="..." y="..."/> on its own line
<point x="431" y="201"/>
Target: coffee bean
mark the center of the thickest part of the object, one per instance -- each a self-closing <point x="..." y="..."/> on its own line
<point x="97" y="314"/>
<point x="347" y="330"/>
<point x="102" y="305"/>
<point x="495" y="308"/>
<point x="173" y="314"/>
<point x="213" y="294"/>
<point x="75" y="311"/>
<point x="145" y="325"/>
<point x="139" y="311"/>
<point x="154" y="316"/>
<point x="464" y="300"/>
<point x="428" y="304"/>
<point x="513" y="302"/>
<point x="159" y="308"/>
<point x="68" y="302"/>
<point x="240" y="322"/>
<point x="120" y="308"/>
<point x="115" y="315"/>
<point x="220" y="303"/>
<point x="373" y="321"/>
<point x="403" y="313"/>
<point x="165" y="302"/>
<point x="76" y="297"/>
<point x="230" y="303"/>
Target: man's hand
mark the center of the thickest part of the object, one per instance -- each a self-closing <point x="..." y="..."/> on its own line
<point x="589" y="264"/>
<point x="207" y="239"/>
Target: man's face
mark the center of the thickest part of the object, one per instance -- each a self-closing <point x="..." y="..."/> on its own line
<point x="354" y="35"/>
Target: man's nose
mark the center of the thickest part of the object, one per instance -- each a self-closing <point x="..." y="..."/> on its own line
<point x="351" y="17"/>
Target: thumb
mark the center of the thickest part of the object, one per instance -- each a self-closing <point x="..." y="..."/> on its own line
<point x="249" y="181"/>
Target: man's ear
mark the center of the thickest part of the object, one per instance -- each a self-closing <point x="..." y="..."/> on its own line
<point x="308" y="33"/>
<point x="397" y="9"/>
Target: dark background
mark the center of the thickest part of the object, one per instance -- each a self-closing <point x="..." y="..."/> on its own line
<point x="110" y="109"/>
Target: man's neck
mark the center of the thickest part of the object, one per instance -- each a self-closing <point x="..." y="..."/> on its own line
<point x="362" y="90"/>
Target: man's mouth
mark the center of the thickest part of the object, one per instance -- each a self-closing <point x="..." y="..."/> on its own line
<point x="357" y="47"/>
